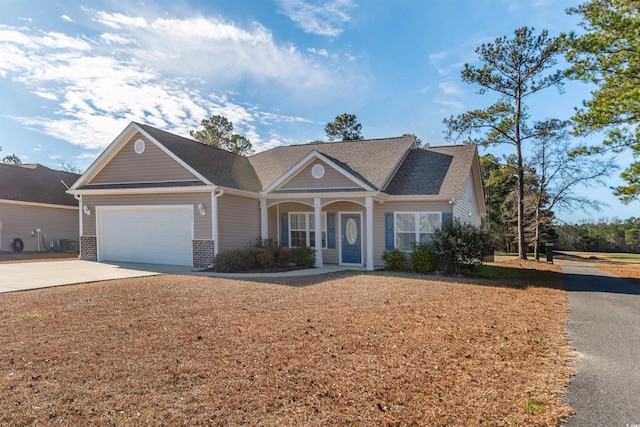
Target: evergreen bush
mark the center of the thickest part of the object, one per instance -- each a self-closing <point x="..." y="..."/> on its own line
<point x="393" y="259"/>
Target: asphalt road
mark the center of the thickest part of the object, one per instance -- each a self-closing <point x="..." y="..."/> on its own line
<point x="604" y="328"/>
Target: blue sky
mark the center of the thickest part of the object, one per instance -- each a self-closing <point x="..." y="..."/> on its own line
<point x="74" y="74"/>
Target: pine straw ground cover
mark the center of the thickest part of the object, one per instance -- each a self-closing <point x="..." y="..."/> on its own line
<point x="344" y="349"/>
<point x="629" y="271"/>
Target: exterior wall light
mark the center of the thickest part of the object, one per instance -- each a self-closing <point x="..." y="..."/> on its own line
<point x="201" y="209"/>
<point x="86" y="210"/>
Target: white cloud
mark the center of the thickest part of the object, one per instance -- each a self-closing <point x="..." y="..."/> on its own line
<point x="111" y="38"/>
<point x="66" y="18"/>
<point x="154" y="71"/>
<point x="320" y="52"/>
<point x="451" y="62"/>
<point x="46" y="95"/>
<point x="324" y="18"/>
<point x="118" y="20"/>
<point x="450" y="88"/>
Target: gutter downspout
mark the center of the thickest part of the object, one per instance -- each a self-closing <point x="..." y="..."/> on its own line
<point x="80" y="226"/>
<point x="214" y="221"/>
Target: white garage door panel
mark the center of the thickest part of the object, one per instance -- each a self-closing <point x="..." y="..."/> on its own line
<point x="155" y="235"/>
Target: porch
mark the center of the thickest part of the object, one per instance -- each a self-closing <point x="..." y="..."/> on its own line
<point x="345" y="226"/>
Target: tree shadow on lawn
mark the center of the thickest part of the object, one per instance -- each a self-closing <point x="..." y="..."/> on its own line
<point x="488" y="275"/>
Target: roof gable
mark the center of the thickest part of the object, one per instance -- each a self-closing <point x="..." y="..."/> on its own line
<point x="372" y="161"/>
<point x="327" y="175"/>
<point x="209" y="165"/>
<point x="151" y="165"/>
<point x="37" y="184"/>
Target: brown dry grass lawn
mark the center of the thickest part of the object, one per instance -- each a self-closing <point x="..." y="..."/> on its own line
<point x="345" y="349"/>
<point x="629" y="271"/>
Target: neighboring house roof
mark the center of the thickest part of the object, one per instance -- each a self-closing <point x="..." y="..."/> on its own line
<point x="218" y="166"/>
<point x="372" y="160"/>
<point x="434" y="171"/>
<point x="36" y="183"/>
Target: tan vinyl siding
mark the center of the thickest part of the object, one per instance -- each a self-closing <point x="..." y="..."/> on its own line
<point x="201" y="223"/>
<point x="152" y="165"/>
<point x="18" y="221"/>
<point x="303" y="180"/>
<point x="466" y="209"/>
<point x="379" y="211"/>
<point x="239" y="221"/>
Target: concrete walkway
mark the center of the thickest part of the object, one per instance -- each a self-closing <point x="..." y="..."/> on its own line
<point x="604" y="328"/>
<point x="33" y="275"/>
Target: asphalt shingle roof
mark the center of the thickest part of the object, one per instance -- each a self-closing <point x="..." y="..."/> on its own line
<point x="385" y="164"/>
<point x="434" y="171"/>
<point x="218" y="166"/>
<point x="372" y="160"/>
<point x="36" y="183"/>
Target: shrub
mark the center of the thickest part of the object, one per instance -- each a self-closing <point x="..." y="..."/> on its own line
<point x="268" y="245"/>
<point x="284" y="258"/>
<point x="393" y="259"/>
<point x="234" y="261"/>
<point x="265" y="259"/>
<point x="422" y="259"/>
<point x="304" y="256"/>
<point x="459" y="247"/>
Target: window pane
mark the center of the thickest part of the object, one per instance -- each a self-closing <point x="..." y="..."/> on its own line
<point x="297" y="221"/>
<point x="298" y="238"/>
<point x="429" y="222"/>
<point x="312" y="221"/>
<point x="405" y="241"/>
<point x="426" y="237"/>
<point x="312" y="239"/>
<point x="405" y="222"/>
<point x="324" y="239"/>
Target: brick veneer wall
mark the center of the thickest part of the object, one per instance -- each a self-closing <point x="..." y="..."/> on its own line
<point x="202" y="253"/>
<point x="88" y="248"/>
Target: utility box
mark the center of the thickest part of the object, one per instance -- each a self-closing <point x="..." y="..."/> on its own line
<point x="68" y="245"/>
<point x="549" y="250"/>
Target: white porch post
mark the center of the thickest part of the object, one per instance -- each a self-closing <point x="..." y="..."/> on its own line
<point x="264" y="221"/>
<point x="369" y="214"/>
<point x="318" y="229"/>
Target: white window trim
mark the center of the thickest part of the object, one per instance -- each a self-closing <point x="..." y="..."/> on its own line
<point x="417" y="225"/>
<point x="309" y="227"/>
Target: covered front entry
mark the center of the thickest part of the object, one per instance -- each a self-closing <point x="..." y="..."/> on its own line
<point x="340" y="229"/>
<point x="351" y="238"/>
<point x="145" y="234"/>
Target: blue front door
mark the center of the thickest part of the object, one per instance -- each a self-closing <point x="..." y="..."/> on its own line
<point x="350" y="238"/>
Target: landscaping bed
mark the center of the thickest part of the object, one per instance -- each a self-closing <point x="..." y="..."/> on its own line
<point x="342" y="349"/>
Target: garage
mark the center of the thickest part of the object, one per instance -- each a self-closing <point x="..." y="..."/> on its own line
<point x="145" y="234"/>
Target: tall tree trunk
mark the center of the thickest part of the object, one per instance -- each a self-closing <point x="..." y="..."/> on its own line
<point x="536" y="240"/>
<point x="522" y="246"/>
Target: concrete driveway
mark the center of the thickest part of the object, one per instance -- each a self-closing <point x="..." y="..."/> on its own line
<point x="33" y="275"/>
<point x="604" y="328"/>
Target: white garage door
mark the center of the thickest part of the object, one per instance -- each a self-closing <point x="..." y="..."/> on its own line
<point x="146" y="234"/>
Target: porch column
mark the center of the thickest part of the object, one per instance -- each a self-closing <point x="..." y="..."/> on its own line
<point x="369" y="221"/>
<point x="264" y="220"/>
<point x="318" y="229"/>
